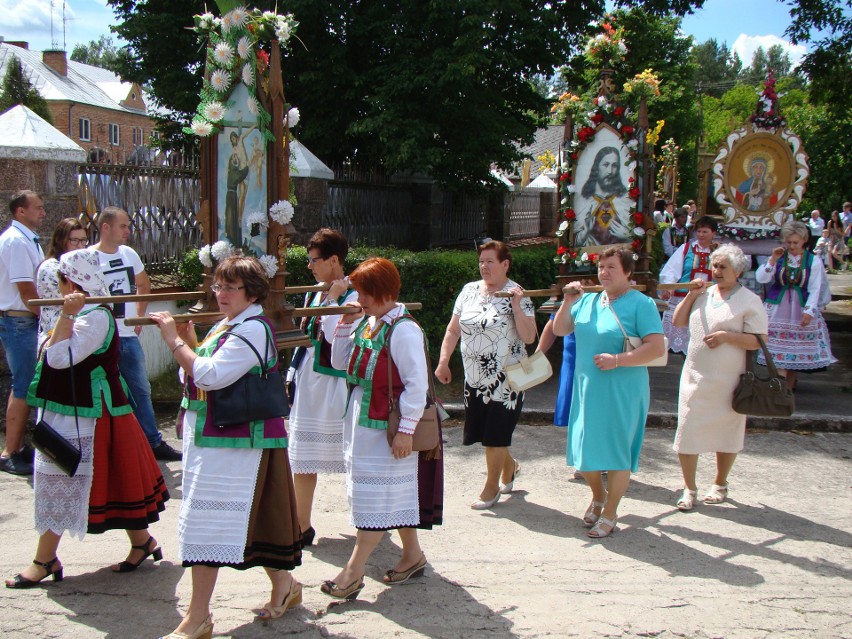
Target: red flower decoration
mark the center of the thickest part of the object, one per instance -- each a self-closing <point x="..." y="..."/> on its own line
<point x="619" y="111"/>
<point x="574" y="156"/>
<point x="631" y="179"/>
<point x="637" y="244"/>
<point x="627" y="130"/>
<point x="570" y="215"/>
<point x="564" y="176"/>
<point x="262" y="60"/>
<point x="638" y="218"/>
<point x="597" y="118"/>
<point x="562" y="250"/>
<point x="586" y="133"/>
<point x="634" y="192"/>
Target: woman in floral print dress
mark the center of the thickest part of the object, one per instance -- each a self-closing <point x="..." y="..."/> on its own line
<point x="493" y="331"/>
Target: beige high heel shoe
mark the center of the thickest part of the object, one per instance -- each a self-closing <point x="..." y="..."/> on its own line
<point x="293" y="599"/>
<point x="204" y="631"/>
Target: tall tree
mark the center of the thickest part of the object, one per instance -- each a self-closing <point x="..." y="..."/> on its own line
<point x="17" y="89"/>
<point x="718" y="67"/>
<point x="441" y="87"/>
<point x="98" y="53"/>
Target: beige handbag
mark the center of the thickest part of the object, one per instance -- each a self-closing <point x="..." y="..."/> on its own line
<point x="632" y="343"/>
<point x="529" y="372"/>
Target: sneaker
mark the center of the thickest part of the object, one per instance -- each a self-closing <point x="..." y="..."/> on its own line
<point x="15" y="464"/>
<point x="164" y="452"/>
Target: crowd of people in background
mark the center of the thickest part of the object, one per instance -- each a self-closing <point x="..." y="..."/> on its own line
<point x="248" y="492"/>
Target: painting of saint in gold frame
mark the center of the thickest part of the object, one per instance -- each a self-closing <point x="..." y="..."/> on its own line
<point x="760" y="173"/>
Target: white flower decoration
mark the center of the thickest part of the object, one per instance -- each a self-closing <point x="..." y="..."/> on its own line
<point x="578" y="262"/>
<point x="244" y="48"/>
<point x="221" y="249"/>
<point x="252" y="105"/>
<point x="622" y="48"/>
<point x="206" y="21"/>
<point x="269" y="264"/>
<point x="584" y="257"/>
<point x="226" y="23"/>
<point x="204" y="256"/>
<point x="564" y="225"/>
<point x="239" y="18"/>
<point x="223" y="54"/>
<point x="639" y="231"/>
<point x="220" y="80"/>
<point x="201" y="128"/>
<point x="292" y="117"/>
<point x="248" y="75"/>
<point x="282" y="212"/>
<point x="633" y="143"/>
<point x="214" y="111"/>
<point x="282" y="29"/>
<point x="257" y="217"/>
<point x="571" y="188"/>
<point x="601" y="101"/>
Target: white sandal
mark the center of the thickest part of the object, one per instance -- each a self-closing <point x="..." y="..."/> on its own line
<point x="590" y="518"/>
<point x="687" y="500"/>
<point x="599" y="533"/>
<point x="717" y="494"/>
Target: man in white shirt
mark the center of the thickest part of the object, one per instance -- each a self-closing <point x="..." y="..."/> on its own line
<point x="125" y="274"/>
<point x="816" y="224"/>
<point x="20" y="255"/>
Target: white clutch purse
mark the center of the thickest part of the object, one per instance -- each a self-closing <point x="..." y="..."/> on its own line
<point x="632" y="343"/>
<point x="529" y="372"/>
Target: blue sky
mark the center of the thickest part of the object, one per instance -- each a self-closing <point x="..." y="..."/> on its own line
<point x="743" y="24"/>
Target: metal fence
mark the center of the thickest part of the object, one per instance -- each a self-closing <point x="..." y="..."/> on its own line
<point x="161" y="201"/>
<point x="524" y="218"/>
<point x="371" y="214"/>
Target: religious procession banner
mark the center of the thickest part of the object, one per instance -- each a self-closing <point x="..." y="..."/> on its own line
<point x="760" y="173"/>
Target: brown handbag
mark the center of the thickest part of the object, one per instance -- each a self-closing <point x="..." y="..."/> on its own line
<point x="763" y="397"/>
<point x="427" y="434"/>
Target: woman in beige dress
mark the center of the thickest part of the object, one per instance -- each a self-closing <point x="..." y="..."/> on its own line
<point x="723" y="321"/>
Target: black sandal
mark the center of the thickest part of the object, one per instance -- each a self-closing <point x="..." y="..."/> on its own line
<point x="127" y="566"/>
<point x="19" y="581"/>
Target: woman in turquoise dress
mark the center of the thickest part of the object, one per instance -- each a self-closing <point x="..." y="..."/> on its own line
<point x="610" y="398"/>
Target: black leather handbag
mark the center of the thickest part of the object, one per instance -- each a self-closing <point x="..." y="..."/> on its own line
<point x="763" y="397"/>
<point x="61" y="452"/>
<point x="253" y="396"/>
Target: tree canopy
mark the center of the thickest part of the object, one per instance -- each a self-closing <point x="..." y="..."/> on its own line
<point x="98" y="53"/>
<point x="17" y="89"/>
<point x="440" y="87"/>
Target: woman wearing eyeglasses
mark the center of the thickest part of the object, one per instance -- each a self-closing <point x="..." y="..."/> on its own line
<point x="239" y="506"/>
<point x="68" y="235"/>
<point x="319" y="402"/>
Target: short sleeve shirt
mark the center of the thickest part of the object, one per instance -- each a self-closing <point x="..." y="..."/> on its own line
<point x="20" y="255"/>
<point x="120" y="270"/>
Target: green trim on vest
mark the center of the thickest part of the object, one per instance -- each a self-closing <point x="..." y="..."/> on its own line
<point x="807" y="263"/>
<point x="98" y="384"/>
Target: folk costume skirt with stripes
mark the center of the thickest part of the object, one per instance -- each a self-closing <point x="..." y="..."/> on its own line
<point x="118" y="485"/>
<point x="239" y="507"/>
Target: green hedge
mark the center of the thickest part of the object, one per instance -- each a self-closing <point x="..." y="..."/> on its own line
<point x="435" y="278"/>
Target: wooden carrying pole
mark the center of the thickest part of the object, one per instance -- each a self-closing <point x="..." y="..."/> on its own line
<point x="550" y="292"/>
<point x="308" y="311"/>
<point x="167" y="297"/>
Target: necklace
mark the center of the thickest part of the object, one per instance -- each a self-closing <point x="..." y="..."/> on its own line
<point x="606" y="300"/>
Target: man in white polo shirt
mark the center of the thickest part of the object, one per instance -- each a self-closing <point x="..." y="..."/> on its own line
<point x="20" y="255"/>
<point x="125" y="274"/>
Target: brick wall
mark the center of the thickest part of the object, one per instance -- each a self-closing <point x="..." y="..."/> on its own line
<point x="66" y="118"/>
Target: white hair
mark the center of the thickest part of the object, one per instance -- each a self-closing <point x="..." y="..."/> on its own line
<point x="795" y="228"/>
<point x="734" y="255"/>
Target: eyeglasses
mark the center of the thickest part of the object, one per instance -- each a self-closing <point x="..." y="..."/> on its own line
<point x="314" y="260"/>
<point x="218" y="288"/>
<point x="79" y="241"/>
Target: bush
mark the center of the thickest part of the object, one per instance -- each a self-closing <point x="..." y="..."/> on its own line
<point x="434" y="278"/>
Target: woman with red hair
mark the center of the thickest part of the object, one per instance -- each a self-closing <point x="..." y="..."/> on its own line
<point x="389" y="486"/>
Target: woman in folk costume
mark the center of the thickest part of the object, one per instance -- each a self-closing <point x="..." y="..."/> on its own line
<point x="316" y="418"/>
<point x="686" y="264"/>
<point x="239" y="506"/>
<point x="118" y="484"/>
<point x="798" y="289"/>
<point x="389" y="486"/>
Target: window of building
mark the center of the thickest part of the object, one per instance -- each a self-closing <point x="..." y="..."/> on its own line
<point x="85" y="129"/>
<point x="138" y="136"/>
<point x="113" y="134"/>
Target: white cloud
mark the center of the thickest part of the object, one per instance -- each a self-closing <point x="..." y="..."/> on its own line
<point x="746" y="45"/>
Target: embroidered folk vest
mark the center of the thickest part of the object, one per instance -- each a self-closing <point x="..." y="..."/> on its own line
<point x="97" y="381"/>
<point x="791" y="278"/>
<point x="368" y="368"/>
<point x="269" y="433"/>
<point x="694" y="262"/>
<point x="322" y="349"/>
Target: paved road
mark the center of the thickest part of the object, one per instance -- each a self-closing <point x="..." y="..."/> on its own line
<point x="775" y="561"/>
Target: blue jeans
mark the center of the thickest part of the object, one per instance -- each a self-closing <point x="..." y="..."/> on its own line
<point x="131" y="363"/>
<point x="19" y="338"/>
